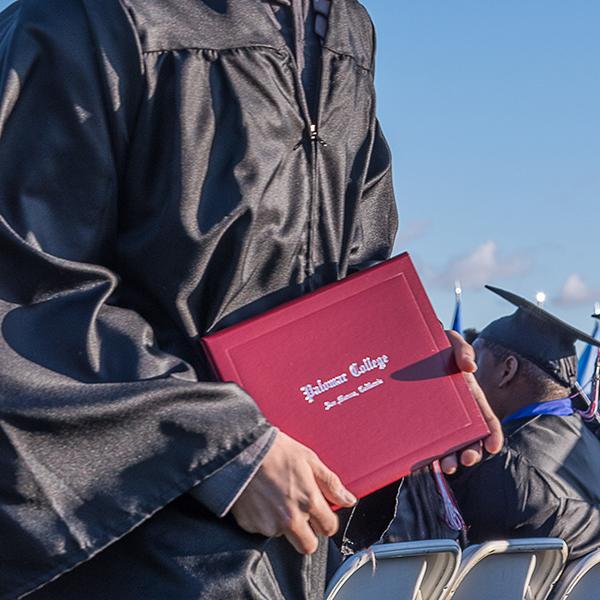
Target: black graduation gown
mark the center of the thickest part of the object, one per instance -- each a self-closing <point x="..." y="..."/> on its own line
<point x="159" y="180"/>
<point x="545" y="482"/>
<point x="409" y="511"/>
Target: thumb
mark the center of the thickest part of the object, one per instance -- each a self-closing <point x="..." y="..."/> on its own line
<point x="494" y="442"/>
<point x="464" y="355"/>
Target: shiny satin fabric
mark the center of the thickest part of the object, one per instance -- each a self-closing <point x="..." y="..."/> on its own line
<point x="183" y="553"/>
<point x="159" y="180"/>
<point x="544" y="482"/>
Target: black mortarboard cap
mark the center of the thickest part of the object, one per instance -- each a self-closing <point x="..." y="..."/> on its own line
<point x="538" y="336"/>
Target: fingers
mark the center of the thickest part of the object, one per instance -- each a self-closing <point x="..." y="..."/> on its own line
<point x="291" y="523"/>
<point x="493" y="443"/>
<point x="465" y="360"/>
<point x="322" y="519"/>
<point x="299" y="533"/>
<point x="471" y="455"/>
<point x="468" y="457"/>
<point x="330" y="485"/>
<point x="288" y="496"/>
<point x="464" y="355"/>
<point x="449" y="464"/>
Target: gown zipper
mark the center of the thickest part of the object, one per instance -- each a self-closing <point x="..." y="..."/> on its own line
<point x="311" y="135"/>
<point x="316" y="141"/>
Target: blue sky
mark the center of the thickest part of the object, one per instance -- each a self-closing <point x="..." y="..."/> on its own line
<point x="492" y="111"/>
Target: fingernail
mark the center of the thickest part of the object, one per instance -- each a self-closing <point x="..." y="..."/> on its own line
<point x="349" y="498"/>
<point x="470" y="458"/>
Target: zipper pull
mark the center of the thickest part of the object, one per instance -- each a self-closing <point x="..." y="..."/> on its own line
<point x="315" y="137"/>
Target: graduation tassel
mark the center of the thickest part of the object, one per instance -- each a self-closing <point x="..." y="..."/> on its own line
<point x="591" y="413"/>
<point x="595" y="389"/>
<point x="452" y="515"/>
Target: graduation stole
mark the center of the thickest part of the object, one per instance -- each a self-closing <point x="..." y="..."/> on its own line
<point x="562" y="407"/>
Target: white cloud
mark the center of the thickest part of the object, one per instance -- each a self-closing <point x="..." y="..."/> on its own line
<point x="413" y="231"/>
<point x="409" y="233"/>
<point x="482" y="265"/>
<point x="576" y="291"/>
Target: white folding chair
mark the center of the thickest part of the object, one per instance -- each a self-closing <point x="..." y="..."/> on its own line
<point x="404" y="571"/>
<point x="519" y="569"/>
<point x="580" y="580"/>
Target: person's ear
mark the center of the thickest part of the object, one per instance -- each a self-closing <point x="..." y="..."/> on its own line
<point x="510" y="366"/>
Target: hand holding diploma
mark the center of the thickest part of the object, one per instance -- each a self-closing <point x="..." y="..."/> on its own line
<point x="471" y="455"/>
<point x="290" y="495"/>
<point x="383" y="381"/>
<point x="292" y="491"/>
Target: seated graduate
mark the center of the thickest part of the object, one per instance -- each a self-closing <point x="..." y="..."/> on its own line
<point x="546" y="480"/>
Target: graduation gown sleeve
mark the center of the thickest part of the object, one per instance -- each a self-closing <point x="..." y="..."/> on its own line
<point x="99" y="428"/>
<point x="377" y="219"/>
<point x="543" y="483"/>
<point x="506" y="497"/>
<point x="377" y="213"/>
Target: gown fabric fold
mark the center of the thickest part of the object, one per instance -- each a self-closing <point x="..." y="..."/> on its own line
<point x="544" y="483"/>
<point x="158" y="181"/>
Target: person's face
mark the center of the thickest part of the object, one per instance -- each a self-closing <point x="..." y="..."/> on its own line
<point x="487" y="374"/>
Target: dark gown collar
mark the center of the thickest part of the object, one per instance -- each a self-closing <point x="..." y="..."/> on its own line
<point x="342" y="36"/>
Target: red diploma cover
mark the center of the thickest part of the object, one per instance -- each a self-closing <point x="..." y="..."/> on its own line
<point x="360" y="371"/>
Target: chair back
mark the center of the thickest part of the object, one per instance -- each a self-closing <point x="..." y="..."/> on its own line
<point x="519" y="569"/>
<point x="580" y="580"/>
<point x="404" y="571"/>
